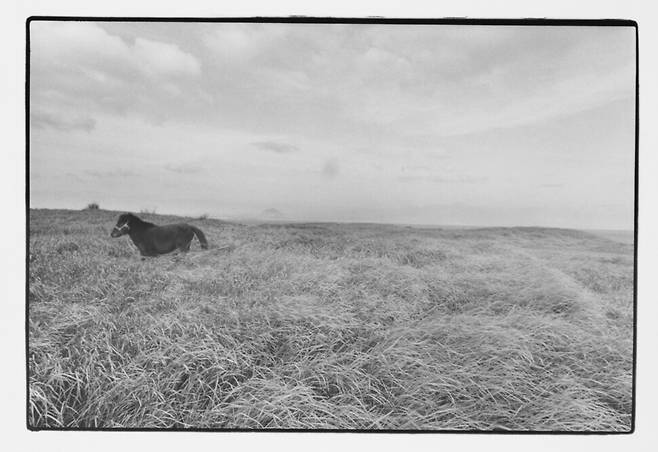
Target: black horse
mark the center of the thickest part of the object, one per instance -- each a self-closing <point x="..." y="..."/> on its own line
<point x="153" y="240"/>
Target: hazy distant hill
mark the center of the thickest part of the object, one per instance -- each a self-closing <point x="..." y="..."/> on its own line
<point x="271" y="214"/>
<point x="616" y="235"/>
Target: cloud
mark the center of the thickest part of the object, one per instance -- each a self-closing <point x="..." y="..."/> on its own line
<point x="330" y="169"/>
<point x="61" y="122"/>
<point x="551" y="185"/>
<point x="87" y="45"/>
<point x="275" y="146"/>
<point x="442" y="179"/>
<point x="459" y="179"/>
<point x="283" y="80"/>
<point x="467" y="79"/>
<point x="164" y="59"/>
<point x="410" y="178"/>
<point x="242" y="42"/>
<point x="184" y="168"/>
<point x="69" y="176"/>
<point x="79" y="66"/>
<point x="118" y="172"/>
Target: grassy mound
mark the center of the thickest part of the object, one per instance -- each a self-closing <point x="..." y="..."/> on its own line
<point x="329" y="326"/>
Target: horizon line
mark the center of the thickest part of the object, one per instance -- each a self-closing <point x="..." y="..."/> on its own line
<point x="257" y="220"/>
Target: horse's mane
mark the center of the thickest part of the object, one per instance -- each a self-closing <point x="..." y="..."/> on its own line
<point x="134" y="218"/>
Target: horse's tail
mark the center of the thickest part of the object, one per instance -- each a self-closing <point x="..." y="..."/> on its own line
<point x="201" y="236"/>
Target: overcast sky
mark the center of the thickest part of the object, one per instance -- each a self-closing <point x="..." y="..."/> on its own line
<point x="427" y="124"/>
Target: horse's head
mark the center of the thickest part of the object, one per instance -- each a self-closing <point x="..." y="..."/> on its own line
<point x="123" y="225"/>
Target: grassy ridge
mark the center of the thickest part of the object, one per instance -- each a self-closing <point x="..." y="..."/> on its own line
<point x="329" y="326"/>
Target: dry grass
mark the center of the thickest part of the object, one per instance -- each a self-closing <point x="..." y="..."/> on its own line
<point x="326" y="326"/>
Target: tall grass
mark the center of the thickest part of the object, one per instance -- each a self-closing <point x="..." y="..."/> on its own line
<point x="326" y="326"/>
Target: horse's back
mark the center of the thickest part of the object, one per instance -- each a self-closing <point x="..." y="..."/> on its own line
<point x="175" y="227"/>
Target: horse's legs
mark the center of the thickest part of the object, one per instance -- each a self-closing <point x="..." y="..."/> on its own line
<point x="185" y="247"/>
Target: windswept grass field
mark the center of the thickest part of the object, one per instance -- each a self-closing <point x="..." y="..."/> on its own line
<point x="325" y="326"/>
